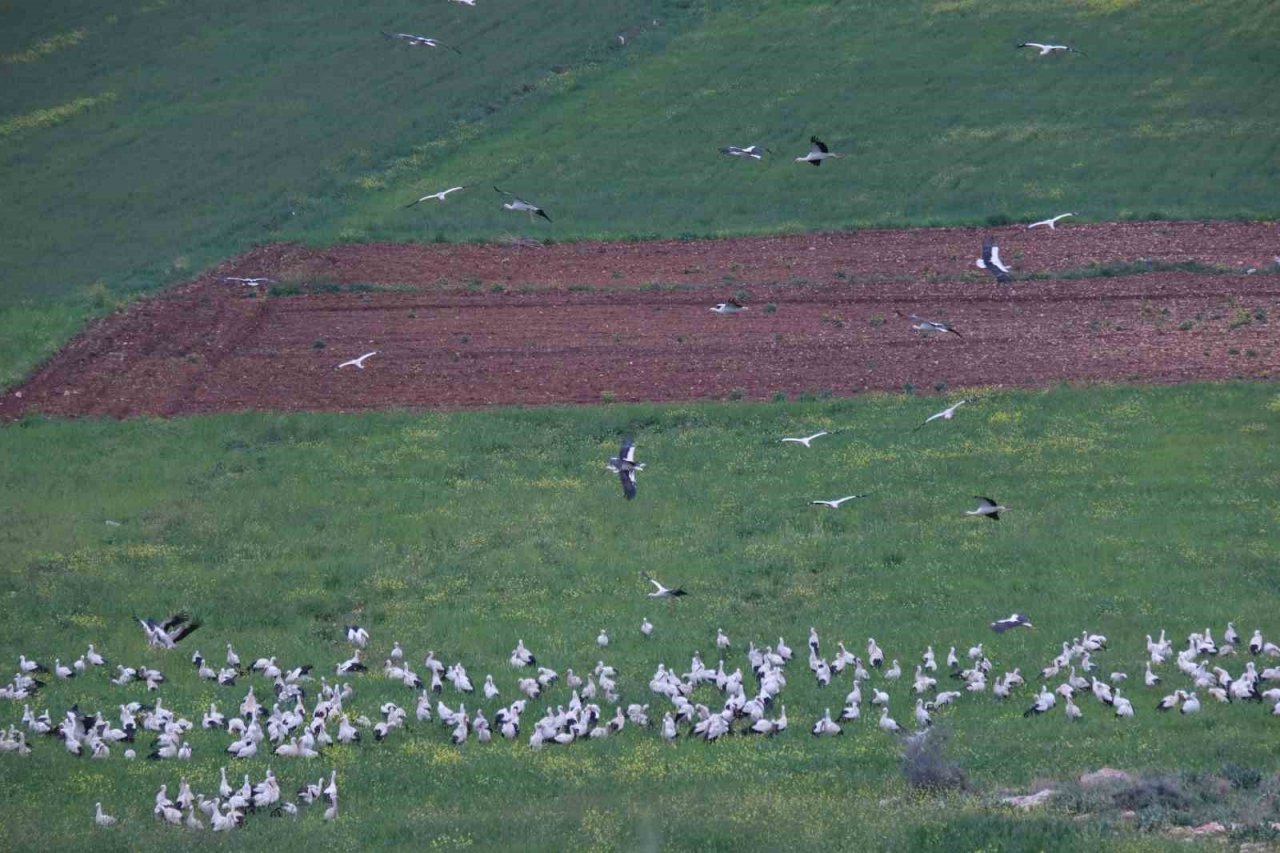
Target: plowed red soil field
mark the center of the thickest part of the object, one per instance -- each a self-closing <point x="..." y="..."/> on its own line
<point x="484" y="325"/>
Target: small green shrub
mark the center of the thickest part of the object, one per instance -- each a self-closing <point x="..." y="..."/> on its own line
<point x="925" y="764"/>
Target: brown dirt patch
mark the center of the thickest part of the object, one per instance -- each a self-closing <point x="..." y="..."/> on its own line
<point x="481" y="325"/>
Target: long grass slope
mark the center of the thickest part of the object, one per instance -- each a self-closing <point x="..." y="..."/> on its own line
<point x="1169" y="111"/>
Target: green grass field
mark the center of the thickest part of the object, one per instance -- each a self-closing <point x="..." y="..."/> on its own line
<point x="1131" y="510"/>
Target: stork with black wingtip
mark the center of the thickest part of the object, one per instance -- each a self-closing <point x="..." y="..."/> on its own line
<point x="987" y="507"/>
<point x="661" y="591"/>
<point x="626" y="466"/>
<point x="167" y="634"/>
<point x="420" y="41"/>
<point x="1017" y="620"/>
<point x="818" y="151"/>
<point x="991" y="262"/>
<point x="519" y="204"/>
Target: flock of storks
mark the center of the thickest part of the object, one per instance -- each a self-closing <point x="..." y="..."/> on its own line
<point x="704" y="702"/>
<point x="303" y="715"/>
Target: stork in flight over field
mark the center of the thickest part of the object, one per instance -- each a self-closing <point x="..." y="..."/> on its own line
<point x="818" y="152"/>
<point x="733" y="306"/>
<point x="358" y="362"/>
<point x="946" y="414"/>
<point x="626" y="466"/>
<point x="520" y="204"/>
<point x="835" y="504"/>
<point x="922" y="325"/>
<point x="249" y="282"/>
<point x="1017" y="620"/>
<point x="808" y="438"/>
<point x="420" y="41"/>
<point x="170" y="632"/>
<point x="990" y="260"/>
<point x="755" y="152"/>
<point x="987" y="507"/>
<point x="1050" y="222"/>
<point x="440" y="195"/>
<point x="661" y="591"/>
<point x="1046" y="49"/>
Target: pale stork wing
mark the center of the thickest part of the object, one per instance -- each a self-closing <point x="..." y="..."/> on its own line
<point x="174" y="621"/>
<point x="991" y="260"/>
<point x="818" y="145"/>
<point x="995" y="258"/>
<point x="628" y="451"/>
<point x="628" y="479"/>
<point x="985" y="503"/>
<point x="732" y="151"/>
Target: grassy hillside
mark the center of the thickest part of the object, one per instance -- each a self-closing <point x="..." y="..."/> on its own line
<point x="140" y="144"/>
<point x="1172" y="110"/>
<point x="1130" y="511"/>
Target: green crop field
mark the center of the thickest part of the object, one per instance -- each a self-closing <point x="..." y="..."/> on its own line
<point x="1131" y="510"/>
